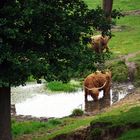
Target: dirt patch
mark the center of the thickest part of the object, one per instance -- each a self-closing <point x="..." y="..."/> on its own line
<point x="80" y="134"/>
<point x="132" y="12"/>
<point x="131" y="65"/>
<point x="121" y="28"/>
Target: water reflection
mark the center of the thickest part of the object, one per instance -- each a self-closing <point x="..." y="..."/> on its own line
<point x="23" y="93"/>
<point x="94" y="107"/>
<point x="51" y="105"/>
<point x="120" y="91"/>
<point x="31" y="100"/>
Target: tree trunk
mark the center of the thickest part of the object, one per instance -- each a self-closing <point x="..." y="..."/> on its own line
<point x="5" y="114"/>
<point x="107" y="7"/>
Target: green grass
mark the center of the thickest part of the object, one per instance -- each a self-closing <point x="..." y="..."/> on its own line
<point x="21" y="128"/>
<point x="63" y="87"/>
<point x="131" y="135"/>
<point x="124" y="5"/>
<point x="118" y="118"/>
<point x="135" y="58"/>
<point x="48" y="129"/>
<point x="121" y="116"/>
<point x="127" y="40"/>
<point x="28" y="127"/>
<point x="71" y="125"/>
<point x="93" y="3"/>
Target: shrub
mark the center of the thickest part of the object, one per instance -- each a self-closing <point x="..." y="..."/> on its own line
<point x="77" y="112"/>
<point x="55" y="121"/>
<point x="119" y="71"/>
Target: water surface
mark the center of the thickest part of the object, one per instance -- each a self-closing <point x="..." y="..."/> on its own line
<point x="33" y="100"/>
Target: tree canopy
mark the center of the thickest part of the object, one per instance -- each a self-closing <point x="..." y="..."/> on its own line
<point x="46" y="38"/>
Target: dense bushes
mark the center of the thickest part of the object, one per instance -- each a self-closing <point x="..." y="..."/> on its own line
<point x="119" y="71"/>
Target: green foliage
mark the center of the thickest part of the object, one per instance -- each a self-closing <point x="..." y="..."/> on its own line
<point x="77" y="112"/>
<point x="31" y="79"/>
<point x="44" y="38"/>
<point x="130" y="135"/>
<point x="60" y="86"/>
<point x="55" y="122"/>
<point x="119" y="71"/>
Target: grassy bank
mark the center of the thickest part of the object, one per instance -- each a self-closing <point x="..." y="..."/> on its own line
<point x="127" y="112"/>
<point x="58" y="86"/>
<point x="30" y="127"/>
<point x="48" y="129"/>
<point x="131" y="135"/>
<point x="116" y="123"/>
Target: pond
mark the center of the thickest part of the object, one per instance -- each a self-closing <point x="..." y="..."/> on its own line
<point x="33" y="100"/>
